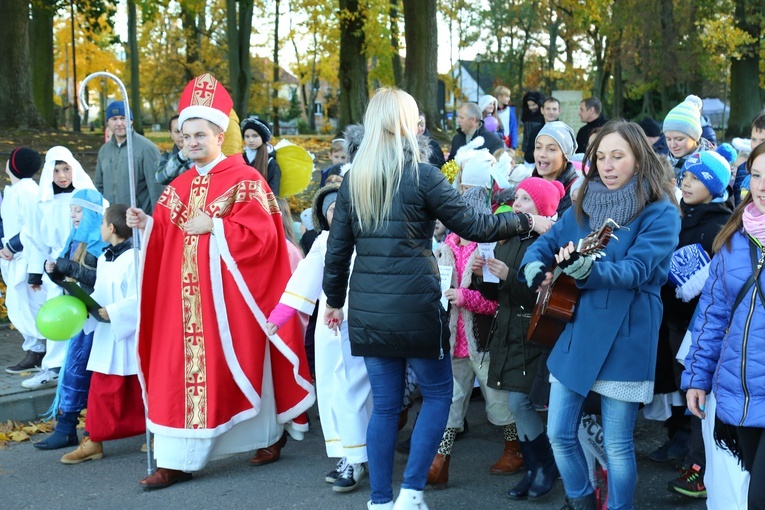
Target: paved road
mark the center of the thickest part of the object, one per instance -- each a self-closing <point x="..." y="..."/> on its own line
<point x="33" y="479"/>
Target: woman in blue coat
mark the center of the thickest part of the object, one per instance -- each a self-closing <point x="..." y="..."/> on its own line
<point x="727" y="356"/>
<point x="609" y="346"/>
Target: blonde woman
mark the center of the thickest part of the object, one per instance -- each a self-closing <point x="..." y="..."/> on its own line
<point x="386" y="209"/>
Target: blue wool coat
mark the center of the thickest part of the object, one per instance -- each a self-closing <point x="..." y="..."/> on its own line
<point x="733" y="364"/>
<point x="615" y="328"/>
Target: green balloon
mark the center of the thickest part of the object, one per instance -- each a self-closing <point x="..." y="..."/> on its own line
<point x="61" y="318"/>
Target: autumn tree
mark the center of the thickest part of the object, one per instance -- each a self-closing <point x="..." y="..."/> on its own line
<point x="353" y="63"/>
<point x="239" y="29"/>
<point x="745" y="87"/>
<point x="17" y="107"/>
<point x="421" y="71"/>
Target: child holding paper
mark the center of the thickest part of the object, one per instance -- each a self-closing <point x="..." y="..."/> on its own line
<point x="470" y="319"/>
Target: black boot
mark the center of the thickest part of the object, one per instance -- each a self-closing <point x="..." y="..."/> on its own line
<point x="30" y="363"/>
<point x="65" y="433"/>
<point x="521" y="490"/>
<point x="584" y="503"/>
<point x="545" y="471"/>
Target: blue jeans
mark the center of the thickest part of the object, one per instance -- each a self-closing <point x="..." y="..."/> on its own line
<point x="527" y="420"/>
<point x="618" y="425"/>
<point x="386" y="376"/>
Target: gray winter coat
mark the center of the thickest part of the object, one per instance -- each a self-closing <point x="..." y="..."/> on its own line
<point x="112" y="178"/>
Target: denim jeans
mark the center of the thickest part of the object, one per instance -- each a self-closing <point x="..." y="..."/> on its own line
<point x="618" y="426"/>
<point x="386" y="375"/>
<point x="527" y="420"/>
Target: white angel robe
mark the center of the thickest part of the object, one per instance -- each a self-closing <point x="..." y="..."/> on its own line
<point x="114" y="345"/>
<point x="18" y="207"/>
<point x="46" y="234"/>
<point x="342" y="383"/>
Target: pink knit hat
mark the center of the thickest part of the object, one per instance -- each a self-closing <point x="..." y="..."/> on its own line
<point x="545" y="194"/>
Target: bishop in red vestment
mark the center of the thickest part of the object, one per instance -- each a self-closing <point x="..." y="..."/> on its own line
<point x="215" y="258"/>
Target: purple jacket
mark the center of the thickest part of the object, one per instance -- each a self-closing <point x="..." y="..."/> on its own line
<point x="731" y="364"/>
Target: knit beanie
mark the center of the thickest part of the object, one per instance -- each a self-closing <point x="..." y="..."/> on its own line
<point x="477" y="199"/>
<point x="695" y="101"/>
<point x="329" y="199"/>
<point x="563" y="135"/>
<point x="650" y="127"/>
<point x="485" y="101"/>
<point x="115" y="109"/>
<point x="685" y="118"/>
<point x="545" y="194"/>
<point x="258" y="125"/>
<point x="727" y="151"/>
<point x="711" y="169"/>
<point x="24" y="162"/>
<point x="476" y="171"/>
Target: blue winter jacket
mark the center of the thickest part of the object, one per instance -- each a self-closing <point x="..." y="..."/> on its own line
<point x="614" y="332"/>
<point x="731" y="364"/>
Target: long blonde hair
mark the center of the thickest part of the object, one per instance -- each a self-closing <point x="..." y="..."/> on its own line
<point x="390" y="138"/>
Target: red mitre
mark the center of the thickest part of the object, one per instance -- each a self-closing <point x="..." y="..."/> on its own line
<point x="205" y="98"/>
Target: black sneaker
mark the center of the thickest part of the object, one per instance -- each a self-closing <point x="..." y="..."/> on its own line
<point x="333" y="475"/>
<point x="350" y="477"/>
<point x="30" y="363"/>
<point x="690" y="483"/>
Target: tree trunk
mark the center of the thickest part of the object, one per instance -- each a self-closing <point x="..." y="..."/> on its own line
<point x="745" y="94"/>
<point x="238" y="35"/>
<point x="353" y="64"/>
<point x="41" y="52"/>
<point x="421" y="74"/>
<point x="275" y="84"/>
<point x="192" y="36"/>
<point x="135" y="90"/>
<point x="17" y="108"/>
<point x="398" y="72"/>
<point x="618" y="108"/>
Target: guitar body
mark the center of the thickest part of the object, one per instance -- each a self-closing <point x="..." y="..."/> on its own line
<point x="554" y="309"/>
<point x="556" y="304"/>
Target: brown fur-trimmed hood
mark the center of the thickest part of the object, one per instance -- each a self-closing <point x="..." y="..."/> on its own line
<point x="319" y="220"/>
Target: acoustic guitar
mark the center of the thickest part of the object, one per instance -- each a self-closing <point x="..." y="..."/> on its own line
<point x="556" y="303"/>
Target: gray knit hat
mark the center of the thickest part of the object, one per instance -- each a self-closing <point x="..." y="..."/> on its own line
<point x="563" y="135"/>
<point x="478" y="199"/>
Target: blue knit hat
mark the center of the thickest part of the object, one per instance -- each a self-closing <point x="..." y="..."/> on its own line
<point x="684" y="118"/>
<point x="711" y="169"/>
<point x="727" y="151"/>
<point x="116" y="109"/>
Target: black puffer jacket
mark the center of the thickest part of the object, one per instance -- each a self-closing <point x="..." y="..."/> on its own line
<point x="394" y="307"/>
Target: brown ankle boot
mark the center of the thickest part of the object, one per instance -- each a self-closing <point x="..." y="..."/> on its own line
<point x="88" y="450"/>
<point x="439" y="470"/>
<point x="511" y="461"/>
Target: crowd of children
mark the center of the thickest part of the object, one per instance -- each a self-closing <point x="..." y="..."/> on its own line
<point x="61" y="231"/>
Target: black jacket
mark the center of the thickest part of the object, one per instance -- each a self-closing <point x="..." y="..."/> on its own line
<point x="532" y="129"/>
<point x="513" y="362"/>
<point x="84" y="274"/>
<point x="490" y="141"/>
<point x="393" y="306"/>
<point x="583" y="135"/>
<point x="700" y="224"/>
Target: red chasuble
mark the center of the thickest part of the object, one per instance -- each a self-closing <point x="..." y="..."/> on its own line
<point x="201" y="344"/>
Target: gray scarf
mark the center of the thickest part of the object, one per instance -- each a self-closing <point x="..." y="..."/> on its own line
<point x="621" y="205"/>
